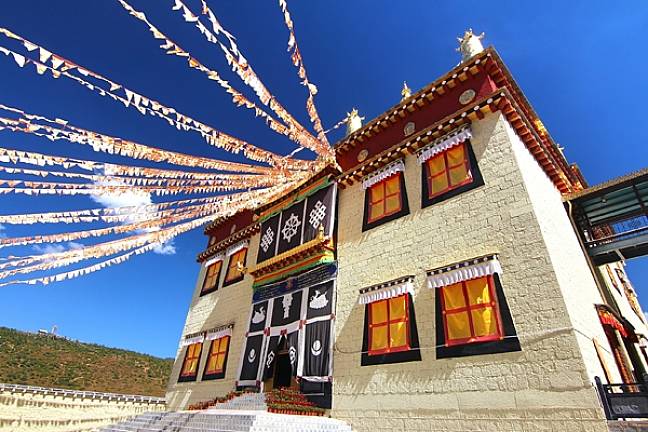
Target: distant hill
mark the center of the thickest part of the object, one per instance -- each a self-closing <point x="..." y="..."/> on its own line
<point x="46" y="361"/>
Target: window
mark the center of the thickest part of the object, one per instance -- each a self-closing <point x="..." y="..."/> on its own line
<point x="189" y="369"/>
<point x="385" y="201"/>
<point x="450" y="173"/>
<point x="211" y="278"/>
<point x="217" y="358"/>
<point x="235" y="267"/>
<point x="390" y="332"/>
<point x="388" y="329"/>
<point x="384" y="198"/>
<point x="470" y="312"/>
<point x="472" y="318"/>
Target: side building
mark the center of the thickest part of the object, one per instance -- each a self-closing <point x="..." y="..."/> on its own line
<point x="437" y="279"/>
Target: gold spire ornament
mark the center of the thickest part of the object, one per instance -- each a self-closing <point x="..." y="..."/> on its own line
<point x="406" y="92"/>
<point x="470" y="45"/>
<point x="353" y="121"/>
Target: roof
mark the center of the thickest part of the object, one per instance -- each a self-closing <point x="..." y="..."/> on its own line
<point x="541" y="144"/>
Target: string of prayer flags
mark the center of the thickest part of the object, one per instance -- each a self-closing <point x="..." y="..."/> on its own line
<point x="152" y="107"/>
<point x="298" y="61"/>
<point x="244" y="70"/>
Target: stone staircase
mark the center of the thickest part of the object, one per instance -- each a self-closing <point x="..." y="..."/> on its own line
<point x="246" y="402"/>
<point x="246" y="413"/>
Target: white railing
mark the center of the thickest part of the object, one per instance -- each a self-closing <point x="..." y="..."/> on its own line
<point x="113" y="397"/>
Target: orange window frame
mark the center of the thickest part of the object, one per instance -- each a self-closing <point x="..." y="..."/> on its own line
<point x="446" y="172"/>
<point x="211" y="277"/>
<point x="232" y="272"/>
<point x="387" y="323"/>
<point x="498" y="335"/>
<point x="192" y="355"/>
<point x="383" y="201"/>
<point x="222" y="347"/>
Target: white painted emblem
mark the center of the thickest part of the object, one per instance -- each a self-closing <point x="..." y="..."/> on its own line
<point x="318" y="301"/>
<point x="287" y="302"/>
<point x="317" y="214"/>
<point x="409" y="128"/>
<point x="292" y="353"/>
<point x="266" y="240"/>
<point x="269" y="359"/>
<point x="467" y="96"/>
<point x="251" y="355"/>
<point x="290" y="228"/>
<point x="316" y="348"/>
<point x="259" y="316"/>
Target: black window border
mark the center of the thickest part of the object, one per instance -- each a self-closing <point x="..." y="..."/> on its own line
<point x="240" y="278"/>
<point x="204" y="292"/>
<point x="190" y="378"/>
<point x="413" y="354"/>
<point x="219" y="375"/>
<point x="404" y="211"/>
<point x="510" y="342"/>
<point x="478" y="181"/>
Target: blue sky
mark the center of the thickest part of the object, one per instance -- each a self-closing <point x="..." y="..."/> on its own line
<point x="579" y="63"/>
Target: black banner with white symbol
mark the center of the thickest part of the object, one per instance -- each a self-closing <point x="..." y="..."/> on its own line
<point x="290" y="232"/>
<point x="320" y="299"/>
<point x="319" y="211"/>
<point x="292" y="343"/>
<point x="252" y="356"/>
<point x="269" y="235"/>
<point x="317" y="349"/>
<point x="286" y="309"/>
<point x="258" y="319"/>
<point x="271" y="357"/>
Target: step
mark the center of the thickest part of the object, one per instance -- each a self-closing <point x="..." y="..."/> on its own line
<point x="228" y="420"/>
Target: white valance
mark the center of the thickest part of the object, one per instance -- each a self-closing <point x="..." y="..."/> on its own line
<point x="192" y="340"/>
<point x="444" y="143"/>
<point x="384" y="172"/>
<point x="215" y="258"/>
<point x="464" y="271"/>
<point x="386" y="292"/>
<point x="237" y="247"/>
<point x="290" y="328"/>
<point x="227" y="331"/>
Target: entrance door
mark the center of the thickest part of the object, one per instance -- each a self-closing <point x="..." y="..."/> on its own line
<point x="283" y="371"/>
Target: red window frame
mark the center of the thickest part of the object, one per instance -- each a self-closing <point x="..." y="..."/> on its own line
<point x="446" y="172"/>
<point x="214" y="286"/>
<point x="388" y="323"/>
<point x="216" y="354"/>
<point x="231" y="265"/>
<point x="383" y="184"/>
<point x="184" y="373"/>
<point x="468" y="308"/>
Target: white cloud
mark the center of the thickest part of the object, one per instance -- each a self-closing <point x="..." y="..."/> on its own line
<point x="56" y="248"/>
<point x="134" y="198"/>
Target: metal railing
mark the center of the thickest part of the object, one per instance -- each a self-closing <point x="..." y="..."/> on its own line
<point x="113" y="397"/>
<point x="621" y="401"/>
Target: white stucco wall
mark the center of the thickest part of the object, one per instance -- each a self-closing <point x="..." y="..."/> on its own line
<point x="548" y="383"/>
<point x="228" y="304"/>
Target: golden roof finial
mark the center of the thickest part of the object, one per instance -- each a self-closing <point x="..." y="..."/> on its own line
<point x="406" y="92"/>
<point x="470" y="44"/>
<point x="353" y="121"/>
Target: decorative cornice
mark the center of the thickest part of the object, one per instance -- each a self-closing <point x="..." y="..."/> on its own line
<point x="416" y="101"/>
<point x="400" y="280"/>
<point x="489" y="62"/>
<point x="295" y="254"/>
<point x="414" y="142"/>
<point x="460" y="264"/>
<point x="228" y="241"/>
